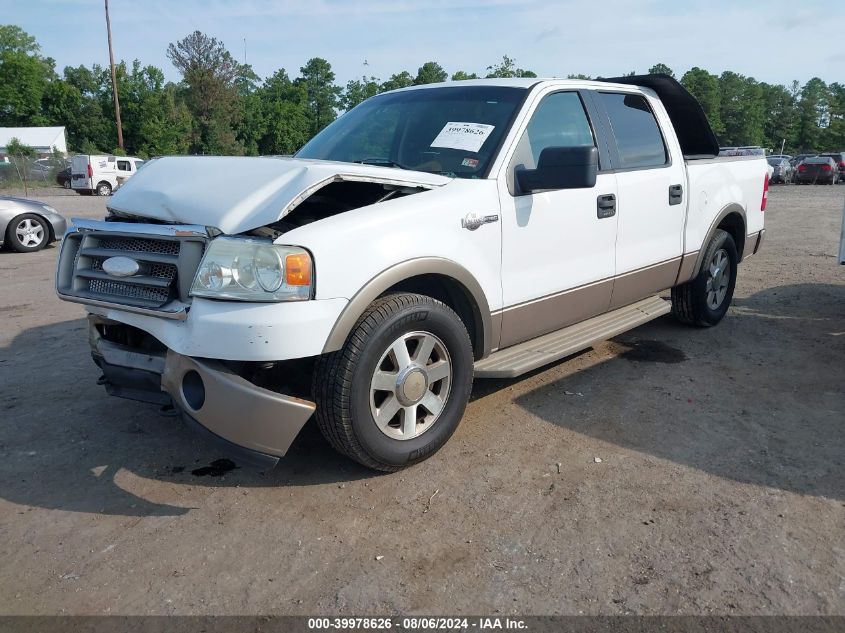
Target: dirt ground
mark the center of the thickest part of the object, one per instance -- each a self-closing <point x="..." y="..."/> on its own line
<point x="720" y="490"/>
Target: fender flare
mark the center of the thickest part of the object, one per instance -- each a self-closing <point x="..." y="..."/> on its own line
<point x="725" y="212"/>
<point x="400" y="272"/>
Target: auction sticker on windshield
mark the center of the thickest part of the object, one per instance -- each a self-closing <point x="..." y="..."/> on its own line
<point x="466" y="136"/>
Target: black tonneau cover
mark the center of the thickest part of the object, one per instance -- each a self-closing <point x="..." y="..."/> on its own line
<point x="691" y="125"/>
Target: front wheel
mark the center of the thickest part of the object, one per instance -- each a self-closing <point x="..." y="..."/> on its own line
<point x="27" y="233"/>
<point x="104" y="189"/>
<point x="705" y="300"/>
<point x="398" y="389"/>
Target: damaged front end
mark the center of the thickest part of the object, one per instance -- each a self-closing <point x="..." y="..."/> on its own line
<point x="185" y="310"/>
<point x="237" y="195"/>
<point x="232" y="401"/>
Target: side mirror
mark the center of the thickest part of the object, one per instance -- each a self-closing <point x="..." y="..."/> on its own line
<point x="561" y="168"/>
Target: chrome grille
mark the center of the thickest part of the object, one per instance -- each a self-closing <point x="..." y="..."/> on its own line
<point x="167" y="262"/>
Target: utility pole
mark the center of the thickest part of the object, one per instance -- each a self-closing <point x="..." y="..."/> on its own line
<point x="114" y="82"/>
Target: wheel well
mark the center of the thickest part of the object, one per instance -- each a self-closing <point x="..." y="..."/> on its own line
<point x="453" y="294"/>
<point x="735" y="225"/>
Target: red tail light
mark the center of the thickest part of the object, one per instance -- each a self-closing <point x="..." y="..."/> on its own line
<point x="826" y="167"/>
<point x="90" y="171"/>
<point x="842" y="164"/>
<point x="765" y="193"/>
<point x="802" y="167"/>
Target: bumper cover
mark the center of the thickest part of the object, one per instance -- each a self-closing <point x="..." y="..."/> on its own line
<point x="257" y="424"/>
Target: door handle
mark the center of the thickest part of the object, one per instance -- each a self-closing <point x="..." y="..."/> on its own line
<point x="606" y="206"/>
<point x="473" y="221"/>
<point x="676" y="194"/>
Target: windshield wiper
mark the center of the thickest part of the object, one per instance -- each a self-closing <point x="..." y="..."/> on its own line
<point x="383" y="162"/>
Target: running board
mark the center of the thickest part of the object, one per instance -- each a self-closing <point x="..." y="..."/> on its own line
<point x="519" y="359"/>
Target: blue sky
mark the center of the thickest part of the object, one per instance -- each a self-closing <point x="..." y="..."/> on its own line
<point x="771" y="41"/>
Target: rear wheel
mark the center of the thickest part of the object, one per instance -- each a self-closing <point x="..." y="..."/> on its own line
<point x="705" y="300"/>
<point x="398" y="389"/>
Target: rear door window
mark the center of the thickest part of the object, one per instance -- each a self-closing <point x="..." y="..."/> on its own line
<point x="638" y="138"/>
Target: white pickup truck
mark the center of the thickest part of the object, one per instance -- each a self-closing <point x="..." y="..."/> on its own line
<point x="429" y="236"/>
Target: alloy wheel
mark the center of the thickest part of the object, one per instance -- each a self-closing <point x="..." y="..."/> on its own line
<point x="30" y="233"/>
<point x="719" y="279"/>
<point x="410" y="385"/>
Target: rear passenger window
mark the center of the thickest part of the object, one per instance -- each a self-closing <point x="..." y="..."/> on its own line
<point x="123" y="165"/>
<point x="637" y="134"/>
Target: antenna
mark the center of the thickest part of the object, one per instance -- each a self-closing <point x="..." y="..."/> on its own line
<point x="244" y="51"/>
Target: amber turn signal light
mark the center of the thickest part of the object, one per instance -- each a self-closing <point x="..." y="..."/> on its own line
<point x="298" y="269"/>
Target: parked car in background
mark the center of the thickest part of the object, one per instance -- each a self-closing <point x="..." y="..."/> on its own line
<point x="6" y="169"/>
<point x="797" y="160"/>
<point x="782" y="170"/>
<point x="101" y="175"/>
<point x="839" y="159"/>
<point x="786" y="156"/>
<point x="63" y="178"/>
<point x="817" y="170"/>
<point x="29" y="225"/>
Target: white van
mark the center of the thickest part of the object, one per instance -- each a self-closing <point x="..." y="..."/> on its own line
<point x="100" y="175"/>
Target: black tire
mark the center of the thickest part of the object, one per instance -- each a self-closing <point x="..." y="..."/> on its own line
<point x="103" y="189"/>
<point x="690" y="300"/>
<point x="342" y="382"/>
<point x="15" y="242"/>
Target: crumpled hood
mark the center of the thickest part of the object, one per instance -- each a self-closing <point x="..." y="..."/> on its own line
<point x="237" y="194"/>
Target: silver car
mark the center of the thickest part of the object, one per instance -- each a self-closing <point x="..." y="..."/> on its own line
<point x="29" y="225"/>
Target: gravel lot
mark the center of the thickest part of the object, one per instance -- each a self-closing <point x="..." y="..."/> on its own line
<point x="720" y="490"/>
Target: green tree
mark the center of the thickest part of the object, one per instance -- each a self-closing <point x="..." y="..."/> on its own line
<point x="705" y="87"/>
<point x="834" y="136"/>
<point x="24" y="76"/>
<point x="358" y="90"/>
<point x="286" y="115"/>
<point x="661" y="69"/>
<point x="398" y="80"/>
<point x="430" y="73"/>
<point x="507" y="68"/>
<point x="209" y="73"/>
<point x="742" y="110"/>
<point x="14" y="38"/>
<point x="779" y="117"/>
<point x="323" y="96"/>
<point x="813" y="114"/>
<point x="89" y="128"/>
<point x="579" y="76"/>
<point x="463" y="76"/>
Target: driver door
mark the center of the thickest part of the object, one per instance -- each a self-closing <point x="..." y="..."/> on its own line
<point x="558" y="246"/>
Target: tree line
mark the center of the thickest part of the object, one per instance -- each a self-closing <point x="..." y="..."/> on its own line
<point x="221" y="106"/>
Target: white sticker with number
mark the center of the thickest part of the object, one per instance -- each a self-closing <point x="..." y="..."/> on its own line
<point x="466" y="136"/>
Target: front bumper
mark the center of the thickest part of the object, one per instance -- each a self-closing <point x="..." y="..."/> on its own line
<point x="256" y="424"/>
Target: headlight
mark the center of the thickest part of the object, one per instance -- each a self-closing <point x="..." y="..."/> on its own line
<point x="244" y="269"/>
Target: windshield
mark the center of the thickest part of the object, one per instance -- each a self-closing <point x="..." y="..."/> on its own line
<point x="454" y="131"/>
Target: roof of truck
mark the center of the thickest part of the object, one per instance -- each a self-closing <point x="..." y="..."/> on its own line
<point x="517" y="82"/>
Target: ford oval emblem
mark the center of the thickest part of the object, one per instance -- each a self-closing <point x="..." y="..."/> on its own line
<point x="121" y="266"/>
